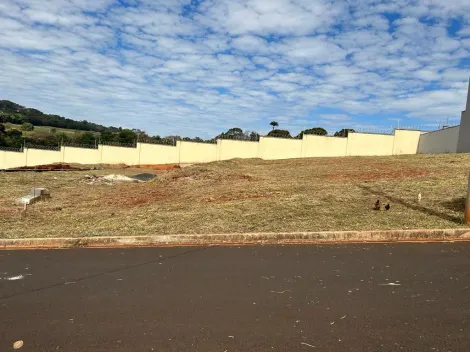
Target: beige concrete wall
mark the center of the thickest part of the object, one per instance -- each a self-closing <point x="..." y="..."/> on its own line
<point x="36" y="157"/>
<point x="463" y="145"/>
<point x="406" y="142"/>
<point x="321" y="146"/>
<point x="10" y="160"/>
<point x="365" y="144"/>
<point x="153" y="154"/>
<point x="118" y="155"/>
<point x="442" y="141"/>
<point x="230" y="149"/>
<point x="403" y="142"/>
<point x="190" y="152"/>
<point x="81" y="155"/>
<point x="279" y="148"/>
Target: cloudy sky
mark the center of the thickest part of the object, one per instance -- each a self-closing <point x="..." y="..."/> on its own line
<point x="198" y="67"/>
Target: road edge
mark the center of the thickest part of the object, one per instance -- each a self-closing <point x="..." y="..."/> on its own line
<point x="414" y="235"/>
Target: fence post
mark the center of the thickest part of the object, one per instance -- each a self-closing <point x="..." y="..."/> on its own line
<point x="467" y="203"/>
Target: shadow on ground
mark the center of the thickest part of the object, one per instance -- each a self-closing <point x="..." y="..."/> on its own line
<point x="456" y="204"/>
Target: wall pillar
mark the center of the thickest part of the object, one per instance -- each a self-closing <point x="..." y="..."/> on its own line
<point x="463" y="143"/>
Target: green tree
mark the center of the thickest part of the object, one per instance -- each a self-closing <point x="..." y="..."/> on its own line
<point x="126" y="136"/>
<point x="27" y="126"/>
<point x="232" y="133"/>
<point x="52" y="140"/>
<point x="279" y="134"/>
<point x="86" y="138"/>
<point x="235" y="132"/>
<point x="274" y="124"/>
<point x="108" y="136"/>
<point x="344" y="132"/>
<point x="13" y="138"/>
<point x="2" y="135"/>
<point x="64" y="137"/>
<point x="169" y="140"/>
<point x="10" y="106"/>
<point x="254" y="136"/>
<point x="173" y="138"/>
<point x="319" y="131"/>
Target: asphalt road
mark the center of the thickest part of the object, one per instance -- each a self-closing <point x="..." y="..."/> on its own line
<point x="362" y="297"/>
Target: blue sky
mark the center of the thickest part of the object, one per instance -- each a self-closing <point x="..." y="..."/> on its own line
<point x="197" y="68"/>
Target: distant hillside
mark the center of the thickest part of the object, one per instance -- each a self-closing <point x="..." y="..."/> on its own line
<point x="26" y="126"/>
<point x="17" y="114"/>
<point x="20" y="126"/>
<point x="39" y="131"/>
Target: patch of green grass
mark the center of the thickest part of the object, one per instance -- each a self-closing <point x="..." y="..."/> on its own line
<point x="45" y="130"/>
<point x="246" y="196"/>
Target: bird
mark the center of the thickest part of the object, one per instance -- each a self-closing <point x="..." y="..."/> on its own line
<point x="387" y="207"/>
<point x="377" y="205"/>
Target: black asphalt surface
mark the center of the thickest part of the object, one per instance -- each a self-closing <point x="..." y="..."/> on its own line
<point x="361" y="297"/>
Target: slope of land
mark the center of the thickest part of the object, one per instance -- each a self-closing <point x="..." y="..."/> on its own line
<point x="246" y="196"/>
<point x="45" y="130"/>
<point x="11" y="112"/>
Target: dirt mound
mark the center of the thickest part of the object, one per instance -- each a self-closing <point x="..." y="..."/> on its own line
<point x="163" y="167"/>
<point x="50" y="167"/>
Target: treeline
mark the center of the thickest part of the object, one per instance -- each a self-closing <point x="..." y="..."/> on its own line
<point x="87" y="133"/>
<point x="15" y="138"/>
<point x="90" y="134"/>
<point x="319" y="131"/>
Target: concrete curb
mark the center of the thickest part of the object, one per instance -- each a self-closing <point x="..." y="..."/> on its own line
<point x="415" y="235"/>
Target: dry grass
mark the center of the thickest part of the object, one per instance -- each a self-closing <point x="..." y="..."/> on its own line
<point x="245" y="196"/>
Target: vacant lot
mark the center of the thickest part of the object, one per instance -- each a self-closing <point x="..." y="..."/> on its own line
<point x="245" y="196"/>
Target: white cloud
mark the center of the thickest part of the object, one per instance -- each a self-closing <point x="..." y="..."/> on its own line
<point x="279" y="86"/>
<point x="267" y="62"/>
<point x="466" y="43"/>
<point x="311" y="50"/>
<point x="297" y="17"/>
<point x="374" y="21"/>
<point x="335" y="117"/>
<point x="447" y="44"/>
<point x="250" y="44"/>
<point x="464" y="32"/>
<point x="427" y="75"/>
<point x="158" y="23"/>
